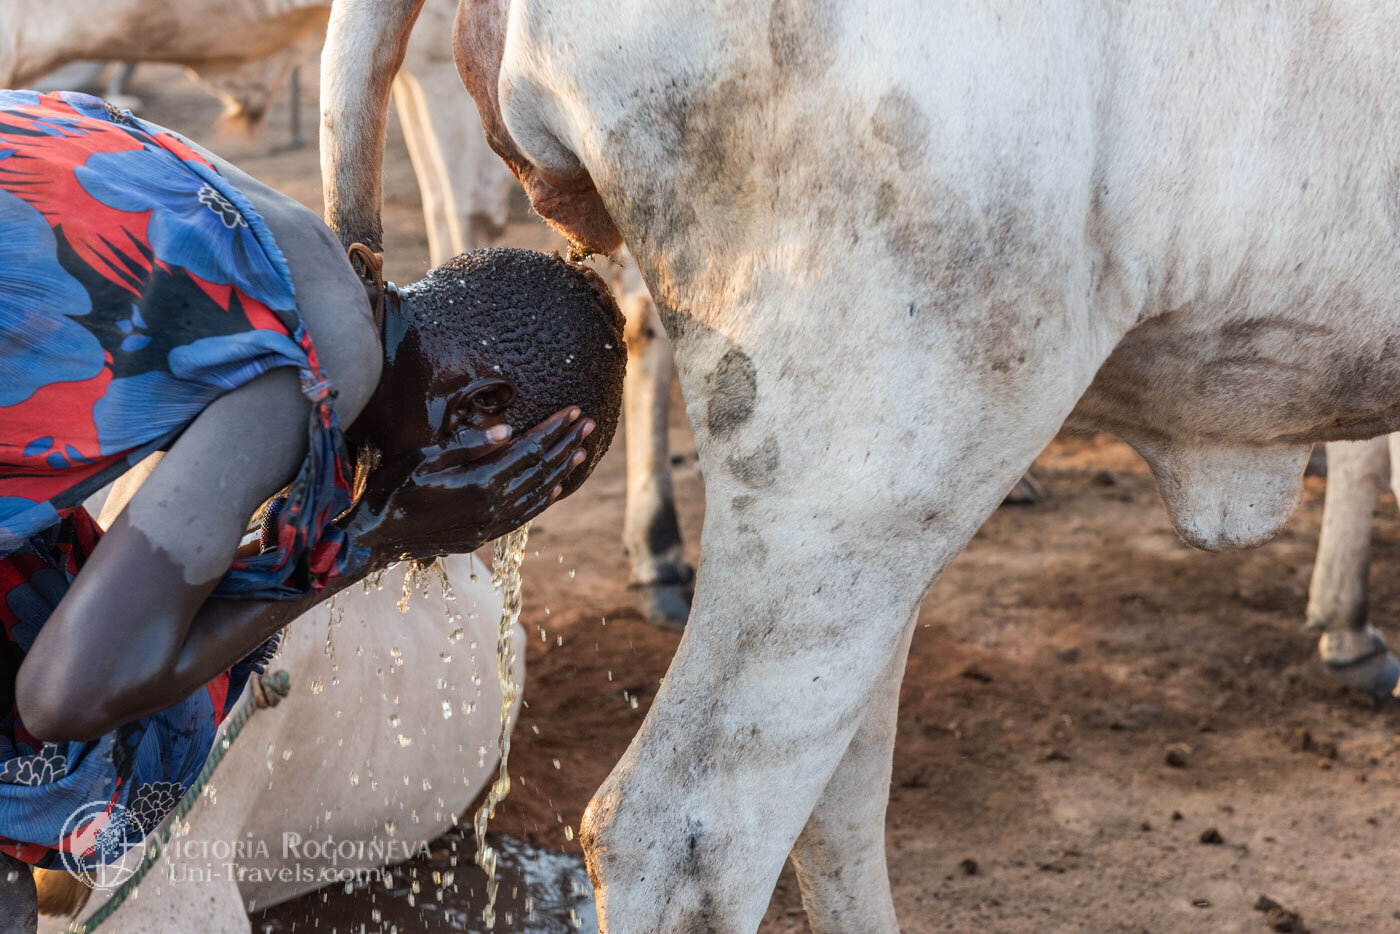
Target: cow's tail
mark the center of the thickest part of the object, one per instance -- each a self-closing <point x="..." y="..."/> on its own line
<point x="365" y="45"/>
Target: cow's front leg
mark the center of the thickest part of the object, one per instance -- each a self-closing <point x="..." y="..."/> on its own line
<point x="840" y="855"/>
<point x="662" y="581"/>
<point x="1354" y="651"/>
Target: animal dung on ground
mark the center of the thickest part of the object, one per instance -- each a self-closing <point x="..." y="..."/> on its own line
<point x="1211" y="837"/>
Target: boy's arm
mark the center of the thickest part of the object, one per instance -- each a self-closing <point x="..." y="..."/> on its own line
<point x="116" y="638"/>
<point x="138" y="631"/>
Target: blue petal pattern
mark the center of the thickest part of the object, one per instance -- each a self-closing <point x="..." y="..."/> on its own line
<point x="39" y="342"/>
<point x="189" y="220"/>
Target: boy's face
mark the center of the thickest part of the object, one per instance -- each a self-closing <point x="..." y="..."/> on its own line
<point x="426" y="394"/>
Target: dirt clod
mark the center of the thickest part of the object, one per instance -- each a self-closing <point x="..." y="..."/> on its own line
<point x="1178" y="755"/>
<point x="1302" y="741"/>
<point x="1279" y="918"/>
<point x="974" y="673"/>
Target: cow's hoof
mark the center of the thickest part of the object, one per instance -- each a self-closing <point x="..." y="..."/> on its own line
<point x="665" y="606"/>
<point x="1376" y="674"/>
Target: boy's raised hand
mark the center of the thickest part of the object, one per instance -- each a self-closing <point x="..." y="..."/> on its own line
<point x="453" y="498"/>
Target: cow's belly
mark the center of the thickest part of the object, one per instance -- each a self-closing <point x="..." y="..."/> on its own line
<point x="1264" y="379"/>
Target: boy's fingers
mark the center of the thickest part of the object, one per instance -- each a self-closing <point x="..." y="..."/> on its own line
<point x="533" y="503"/>
<point x="529" y="449"/>
<point x="467" y="445"/>
<point x="476" y="444"/>
<point x="558" y="458"/>
<point x="561" y="470"/>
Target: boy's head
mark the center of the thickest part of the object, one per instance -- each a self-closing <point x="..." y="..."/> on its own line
<point x="498" y="336"/>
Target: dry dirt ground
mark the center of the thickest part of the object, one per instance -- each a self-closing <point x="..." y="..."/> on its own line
<point x="1055" y="664"/>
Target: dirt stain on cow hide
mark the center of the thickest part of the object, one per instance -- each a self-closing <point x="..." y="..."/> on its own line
<point x="756" y="470"/>
<point x="733" y="388"/>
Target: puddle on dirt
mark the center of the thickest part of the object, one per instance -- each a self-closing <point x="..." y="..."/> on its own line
<point x="540" y="892"/>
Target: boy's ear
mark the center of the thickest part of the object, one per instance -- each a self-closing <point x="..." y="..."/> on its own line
<point x="490" y="395"/>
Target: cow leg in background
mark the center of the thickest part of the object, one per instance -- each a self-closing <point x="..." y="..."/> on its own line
<point x="1353" y="651"/>
<point x="115" y="92"/>
<point x="466" y="188"/>
<point x="1028" y="491"/>
<point x="247" y="88"/>
<point x="446" y="238"/>
<point x="662" y="582"/>
<point x="840" y="855"/>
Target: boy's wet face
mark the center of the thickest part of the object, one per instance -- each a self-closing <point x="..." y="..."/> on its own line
<point x="427" y="393"/>
<point x="496" y="337"/>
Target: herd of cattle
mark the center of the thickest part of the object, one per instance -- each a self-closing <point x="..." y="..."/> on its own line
<point x="1174" y="224"/>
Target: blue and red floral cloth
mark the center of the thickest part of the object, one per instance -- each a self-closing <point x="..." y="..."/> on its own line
<point x="137" y="285"/>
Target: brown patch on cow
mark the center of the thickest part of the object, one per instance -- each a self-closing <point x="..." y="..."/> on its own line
<point x="900" y="124"/>
<point x="755" y="470"/>
<point x="569" y="203"/>
<point x="733" y="389"/>
<point x="800" y="35"/>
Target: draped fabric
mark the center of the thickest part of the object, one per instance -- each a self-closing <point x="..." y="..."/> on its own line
<point x="137" y="285"/>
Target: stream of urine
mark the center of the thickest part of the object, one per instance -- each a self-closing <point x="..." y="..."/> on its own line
<point x="506" y="558"/>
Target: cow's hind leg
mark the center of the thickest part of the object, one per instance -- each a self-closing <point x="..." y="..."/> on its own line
<point x="1353" y="651"/>
<point x="840" y="854"/>
<point x="662" y="581"/>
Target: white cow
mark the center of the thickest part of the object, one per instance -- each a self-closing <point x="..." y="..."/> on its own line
<point x="215" y="39"/>
<point x="1175" y="221"/>
<point x="258" y="43"/>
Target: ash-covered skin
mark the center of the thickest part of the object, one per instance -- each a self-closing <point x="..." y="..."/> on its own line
<point x="500" y="336"/>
